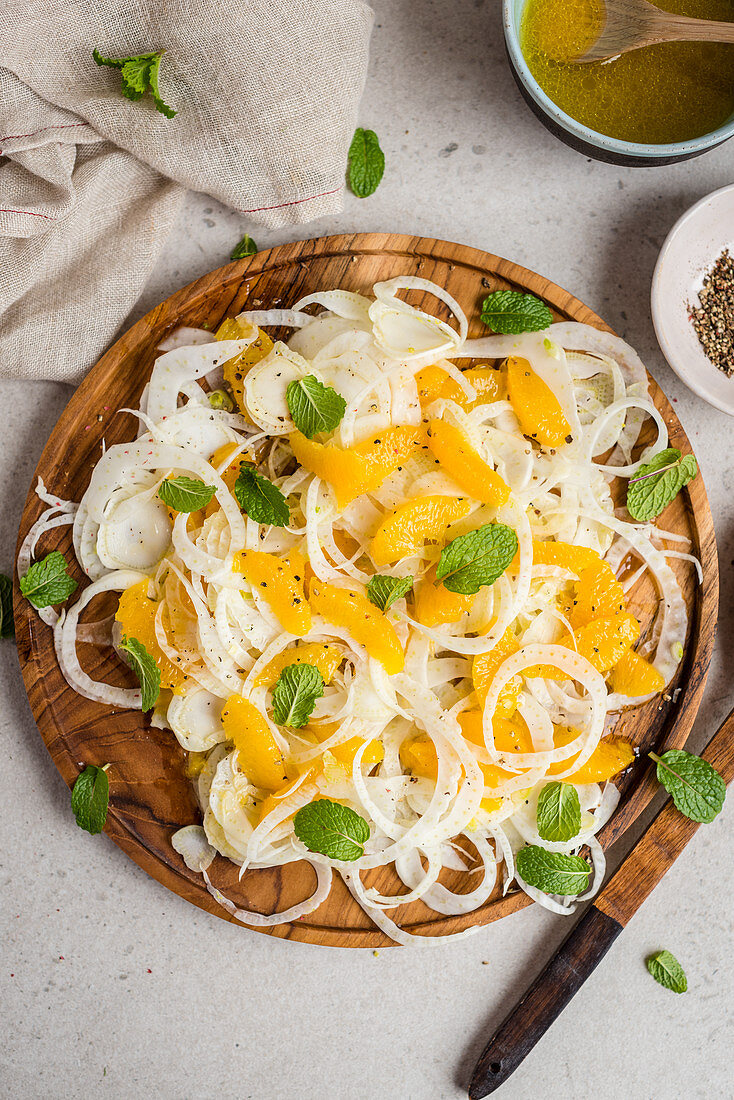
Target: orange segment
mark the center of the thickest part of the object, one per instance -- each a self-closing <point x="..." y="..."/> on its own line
<point x="459" y="459"/>
<point x="565" y="554"/>
<point x="633" y="675"/>
<point x="136" y="614"/>
<point x="419" y="756"/>
<point x="257" y="750"/>
<point x="433" y="382"/>
<point x="435" y="605"/>
<point x="326" y="658"/>
<point x="235" y="369"/>
<point x="346" y="752"/>
<point x="280" y="582"/>
<point x="352" y="471"/>
<point x="535" y="405"/>
<point x="605" y="641"/>
<point x="409" y="527"/>
<point x="274" y="800"/>
<point x="599" y="595"/>
<point x="611" y="756"/>
<point x="365" y="622"/>
<point x="484" y="668"/>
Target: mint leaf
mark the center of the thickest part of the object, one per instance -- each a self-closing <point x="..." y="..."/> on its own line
<point x="295" y="694"/>
<point x="657" y="482"/>
<point x="366" y="163"/>
<point x="667" y="971"/>
<point x="260" y="499"/>
<point x="246" y="247"/>
<point x="511" y="311"/>
<point x="478" y="558"/>
<point x="7" y="622"/>
<point x="384" y="591"/>
<point x="559" y="812"/>
<point x="313" y="406"/>
<point x="139" y="75"/>
<point x="696" y="787"/>
<point x="333" y="830"/>
<point x="145" y="668"/>
<point x="552" y="872"/>
<point x="185" y="494"/>
<point x="90" y="798"/>
<point x="47" y="581"/>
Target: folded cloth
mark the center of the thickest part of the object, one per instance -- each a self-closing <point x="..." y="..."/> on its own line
<point x="266" y="94"/>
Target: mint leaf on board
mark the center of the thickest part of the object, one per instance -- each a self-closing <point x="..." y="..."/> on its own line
<point x="657" y="482"/>
<point x="511" y="312"/>
<point x="667" y="971"/>
<point x="260" y="499"/>
<point x="246" y="247"/>
<point x="139" y="75"/>
<point x="145" y="668"/>
<point x="333" y="830"/>
<point x="7" y="621"/>
<point x="295" y="694"/>
<point x="185" y="494"/>
<point x="695" y="786"/>
<point x="477" y="558"/>
<point x="366" y="163"/>
<point x="314" y="406"/>
<point x="90" y="798"/>
<point x="552" y="872"/>
<point x="47" y="582"/>
<point x="383" y="591"/>
<point x="559" y="812"/>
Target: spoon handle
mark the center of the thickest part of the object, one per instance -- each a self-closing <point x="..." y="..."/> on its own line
<point x="681" y="28"/>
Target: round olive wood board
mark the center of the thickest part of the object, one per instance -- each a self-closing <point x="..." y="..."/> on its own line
<point x="150" y="796"/>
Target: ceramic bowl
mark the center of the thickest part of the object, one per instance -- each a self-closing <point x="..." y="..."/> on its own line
<point x="694" y="243"/>
<point x="580" y="137"/>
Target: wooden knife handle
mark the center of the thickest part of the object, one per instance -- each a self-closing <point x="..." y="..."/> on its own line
<point x="546" y="998"/>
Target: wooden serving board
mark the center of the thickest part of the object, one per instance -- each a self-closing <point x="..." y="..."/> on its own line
<point x="150" y="796"/>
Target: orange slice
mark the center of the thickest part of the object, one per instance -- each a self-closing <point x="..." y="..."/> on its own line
<point x="136" y="614"/>
<point x="280" y="582"/>
<point x="484" y="668"/>
<point x="535" y="405"/>
<point x="433" y="382"/>
<point x="459" y="459"/>
<point x="408" y="528"/>
<point x="611" y="756"/>
<point x="599" y="595"/>
<point x="435" y="605"/>
<point x="326" y="658"/>
<point x="365" y="622"/>
<point x="633" y="675"/>
<point x="257" y="750"/>
<point x="235" y="369"/>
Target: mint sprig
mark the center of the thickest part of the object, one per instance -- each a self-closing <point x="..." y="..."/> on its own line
<point x="47" y="582"/>
<point x="657" y="482"/>
<point x="260" y="499"/>
<point x="145" y="668"/>
<point x="246" y="247"/>
<point x="314" y="406"/>
<point x="295" y="694"/>
<point x="553" y="872"/>
<point x="366" y="163"/>
<point x="139" y="75"/>
<point x="185" y="494"/>
<point x="90" y="798"/>
<point x="476" y="559"/>
<point x="667" y="971"/>
<point x="695" y="786"/>
<point x="559" y="812"/>
<point x="511" y="311"/>
<point x="7" y="622"/>
<point x="333" y="830"/>
<point x="383" y="591"/>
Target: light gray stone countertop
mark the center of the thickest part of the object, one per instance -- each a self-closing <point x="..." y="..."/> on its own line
<point x="113" y="987"/>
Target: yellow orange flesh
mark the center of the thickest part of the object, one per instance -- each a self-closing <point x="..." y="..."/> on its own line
<point x="435" y="605"/>
<point x="484" y="669"/>
<point x="326" y="658"/>
<point x="352" y="471"/>
<point x="459" y="459"/>
<point x="599" y="595"/>
<point x="535" y="405"/>
<point x="258" y="753"/>
<point x="274" y="800"/>
<point x="611" y="756"/>
<point x="433" y="383"/>
<point x="365" y="622"/>
<point x="634" y="675"/>
<point x="280" y="585"/>
<point x="136" y="615"/>
<point x="408" y="528"/>
<point x="235" y="369"/>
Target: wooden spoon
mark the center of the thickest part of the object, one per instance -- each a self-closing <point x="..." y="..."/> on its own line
<point x="631" y="24"/>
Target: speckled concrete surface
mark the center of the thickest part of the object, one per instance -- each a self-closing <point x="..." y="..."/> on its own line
<point x="110" y="985"/>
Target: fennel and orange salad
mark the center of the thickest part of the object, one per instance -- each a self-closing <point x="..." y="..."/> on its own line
<point x="368" y="578"/>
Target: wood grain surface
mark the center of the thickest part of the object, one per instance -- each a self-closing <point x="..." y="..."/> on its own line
<point x="150" y="795"/>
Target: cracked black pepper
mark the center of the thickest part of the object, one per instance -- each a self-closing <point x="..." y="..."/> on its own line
<point x="713" y="320"/>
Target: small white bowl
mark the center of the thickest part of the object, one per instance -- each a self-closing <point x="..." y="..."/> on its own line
<point x="690" y="250"/>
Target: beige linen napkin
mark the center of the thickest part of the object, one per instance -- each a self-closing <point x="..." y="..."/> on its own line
<point x="90" y="182"/>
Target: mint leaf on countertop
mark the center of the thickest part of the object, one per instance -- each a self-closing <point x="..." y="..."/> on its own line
<point x="366" y="163"/>
<point x="7" y="621"/>
<point x="695" y="786"/>
<point x="667" y="971"/>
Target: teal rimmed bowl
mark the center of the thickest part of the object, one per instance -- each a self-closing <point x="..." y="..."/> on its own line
<point x="580" y="137"/>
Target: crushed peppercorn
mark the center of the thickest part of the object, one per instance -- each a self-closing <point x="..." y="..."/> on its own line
<point x="713" y="319"/>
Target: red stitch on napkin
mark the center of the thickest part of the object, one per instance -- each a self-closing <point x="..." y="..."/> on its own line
<point x="294" y="202"/>
<point x="30" y="213"/>
<point x="65" y="126"/>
